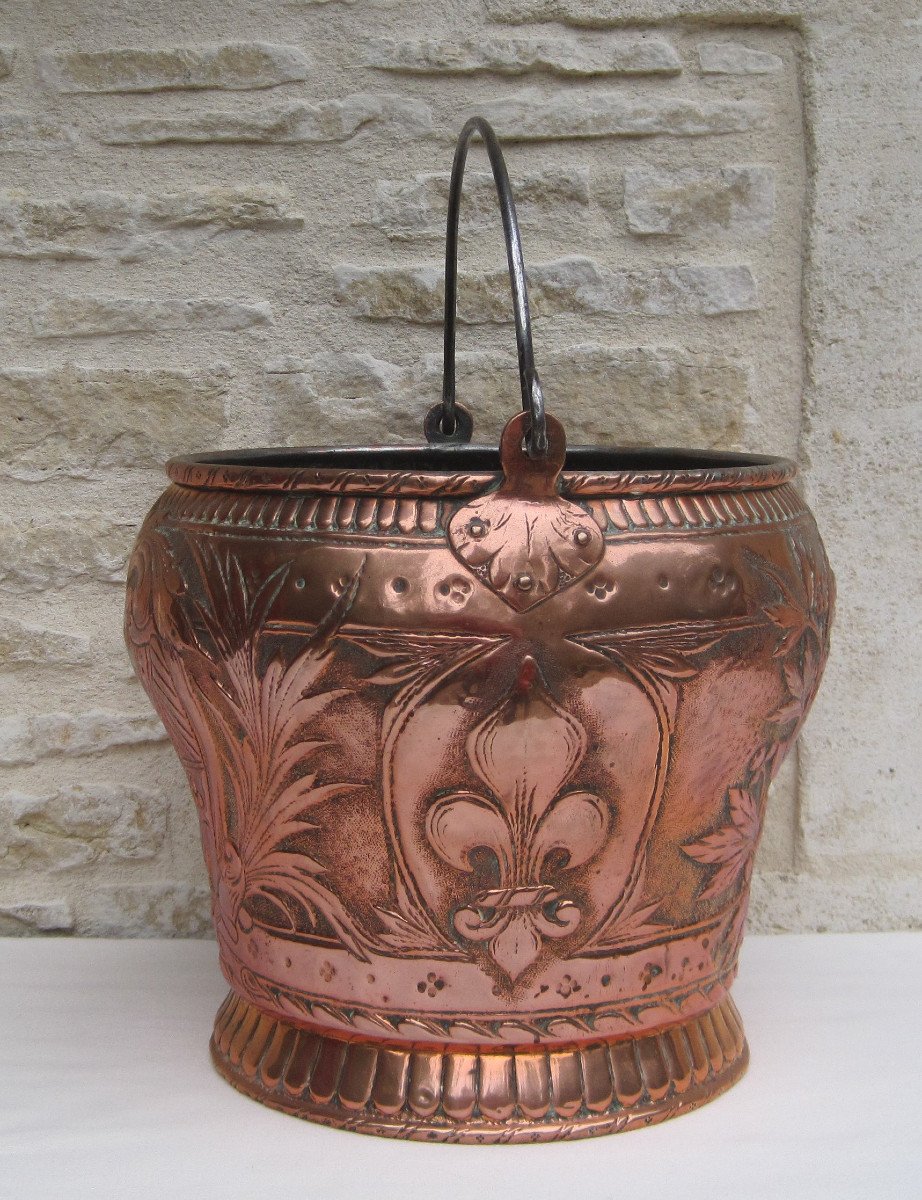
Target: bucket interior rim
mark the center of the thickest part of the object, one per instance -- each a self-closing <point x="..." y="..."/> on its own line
<point x="457" y="470"/>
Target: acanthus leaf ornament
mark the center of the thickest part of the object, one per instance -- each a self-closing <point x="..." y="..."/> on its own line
<point x="242" y="726"/>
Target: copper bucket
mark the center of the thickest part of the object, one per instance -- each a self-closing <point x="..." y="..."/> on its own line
<point x="480" y="743"/>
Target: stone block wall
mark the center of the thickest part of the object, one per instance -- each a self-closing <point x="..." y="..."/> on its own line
<point x="222" y="224"/>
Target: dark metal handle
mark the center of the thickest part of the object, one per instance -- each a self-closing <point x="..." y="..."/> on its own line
<point x="449" y="421"/>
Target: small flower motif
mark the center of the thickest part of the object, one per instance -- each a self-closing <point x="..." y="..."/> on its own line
<point x="568" y="986"/>
<point x="431" y="985"/>
<point x="455" y="590"/>
<point x="600" y="588"/>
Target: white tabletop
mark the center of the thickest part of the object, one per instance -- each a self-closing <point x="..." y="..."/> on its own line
<point x="107" y="1091"/>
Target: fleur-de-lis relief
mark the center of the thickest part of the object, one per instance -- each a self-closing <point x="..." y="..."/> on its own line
<point x="525" y="752"/>
<point x="417" y="663"/>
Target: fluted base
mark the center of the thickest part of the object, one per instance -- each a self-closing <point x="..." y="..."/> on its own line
<point x="454" y="1095"/>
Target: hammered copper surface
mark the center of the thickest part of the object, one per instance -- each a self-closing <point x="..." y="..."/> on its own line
<point x="480" y="745"/>
<point x="434" y="815"/>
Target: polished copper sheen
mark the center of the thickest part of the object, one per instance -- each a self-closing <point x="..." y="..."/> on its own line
<point x="480" y="743"/>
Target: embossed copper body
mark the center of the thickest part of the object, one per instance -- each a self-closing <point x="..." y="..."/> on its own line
<point x="480" y="744"/>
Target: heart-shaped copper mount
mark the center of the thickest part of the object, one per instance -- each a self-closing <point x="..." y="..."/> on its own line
<point x="524" y="540"/>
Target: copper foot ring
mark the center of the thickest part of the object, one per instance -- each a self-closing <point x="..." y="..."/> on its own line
<point x="458" y="1095"/>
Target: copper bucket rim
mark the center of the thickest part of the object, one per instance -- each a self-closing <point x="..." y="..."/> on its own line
<point x="461" y="470"/>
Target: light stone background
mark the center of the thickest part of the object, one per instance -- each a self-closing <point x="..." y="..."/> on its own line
<point x="221" y="224"/>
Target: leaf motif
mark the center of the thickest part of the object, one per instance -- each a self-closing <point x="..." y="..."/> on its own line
<point x="638" y="921"/>
<point x="292" y="757"/>
<point x="630" y="925"/>
<point x="789" y="617"/>
<point x="304" y="793"/>
<point x="396" y="673"/>
<point x="725" y="877"/>
<point x="303" y="711"/>
<point x="789" y="711"/>
<point x="672" y="666"/>
<point x="258" y="717"/>
<point x="788" y="641"/>
<point x="719" y="847"/>
<point x="811" y="668"/>
<point x="282" y="864"/>
<point x="405" y="934"/>
<point x="282" y="688"/>
<point x="743" y="811"/>
<point x="399" y="643"/>
<point x="731" y="847"/>
<point x="416" y="656"/>
<point x="805" y="597"/>
<point x="807" y="572"/>
<point x="164" y="678"/>
<point x="793" y="678"/>
<point x="294" y="874"/>
<point x="665" y="651"/>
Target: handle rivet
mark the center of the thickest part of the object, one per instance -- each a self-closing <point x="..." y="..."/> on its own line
<point x="476" y="529"/>
<point x="524" y="583"/>
<point x="582" y="537"/>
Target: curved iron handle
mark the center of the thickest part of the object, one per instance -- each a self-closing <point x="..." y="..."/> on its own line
<point x="449" y="421"/>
